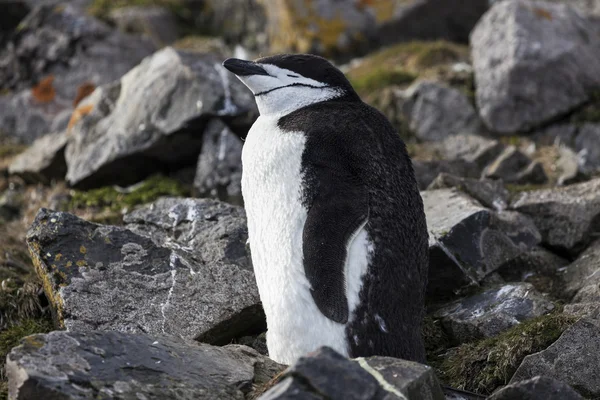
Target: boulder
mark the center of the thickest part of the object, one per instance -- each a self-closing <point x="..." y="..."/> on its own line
<point x="192" y="279"/>
<point x="326" y="374"/>
<point x="534" y="61"/>
<point x="572" y="359"/>
<point x="43" y="161"/>
<point x="219" y="169"/>
<point x="539" y="387"/>
<point x="153" y="118"/>
<point x="55" y="58"/>
<point x="587" y="144"/>
<point x="583" y="272"/>
<point x="427" y="171"/>
<point x="467" y="242"/>
<point x="566" y="217"/>
<point x="490" y="193"/>
<point x="491" y="312"/>
<point x="435" y="111"/>
<point x="587" y="7"/>
<point x="476" y="150"/>
<point x="157" y="23"/>
<point x="106" y="365"/>
<point x="512" y="166"/>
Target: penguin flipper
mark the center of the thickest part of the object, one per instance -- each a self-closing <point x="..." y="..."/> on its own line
<point x="339" y="208"/>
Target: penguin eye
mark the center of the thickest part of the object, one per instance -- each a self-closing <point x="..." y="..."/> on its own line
<point x="293" y="76"/>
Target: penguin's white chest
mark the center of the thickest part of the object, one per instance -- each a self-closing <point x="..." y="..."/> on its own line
<point x="272" y="190"/>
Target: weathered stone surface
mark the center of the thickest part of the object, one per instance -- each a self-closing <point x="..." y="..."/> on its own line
<point x="326" y="374"/>
<point x="587" y="144"/>
<point x="435" y="111"/>
<point x="467" y="241"/>
<point x="533" y="61"/>
<point x="181" y="269"/>
<point x="56" y="53"/>
<point x="219" y="169"/>
<point x="43" y="161"/>
<point x="572" y="359"/>
<point x="490" y="193"/>
<point x="588" y="7"/>
<point x="107" y="365"/>
<point x="153" y="118"/>
<point x="473" y="149"/>
<point x="427" y="171"/>
<point x="540" y="387"/>
<point x="512" y="166"/>
<point x="489" y="313"/>
<point x="584" y="271"/>
<point x="584" y="310"/>
<point x="566" y="217"/>
<point x="158" y="23"/>
<point x="11" y="13"/>
<point x="348" y="27"/>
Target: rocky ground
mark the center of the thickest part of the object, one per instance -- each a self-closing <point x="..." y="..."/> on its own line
<point x="122" y="229"/>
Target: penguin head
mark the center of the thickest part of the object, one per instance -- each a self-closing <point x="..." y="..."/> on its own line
<point x="287" y="82"/>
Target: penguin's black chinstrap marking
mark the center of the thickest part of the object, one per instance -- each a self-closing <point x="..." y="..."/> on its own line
<point x="292" y="84"/>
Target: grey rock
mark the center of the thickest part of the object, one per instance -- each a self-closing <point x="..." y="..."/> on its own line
<point x="43" y="161"/>
<point x="427" y="171"/>
<point x="153" y="118"/>
<point x="572" y="359"/>
<point x="65" y="43"/>
<point x="192" y="279"/>
<point x="326" y="374"/>
<point x="490" y="193"/>
<point x="435" y="111"/>
<point x="539" y="387"/>
<point x="584" y="271"/>
<point x="489" y="313"/>
<point x="588" y="7"/>
<point x="158" y="23"/>
<point x="588" y="293"/>
<point x="473" y="149"/>
<point x="467" y="242"/>
<point x="512" y="166"/>
<point x="587" y="144"/>
<point x="11" y="202"/>
<point x="219" y="170"/>
<point x="584" y="310"/>
<point x="533" y="61"/>
<point x="565" y="216"/>
<point x="107" y="365"/>
<point x="538" y="266"/>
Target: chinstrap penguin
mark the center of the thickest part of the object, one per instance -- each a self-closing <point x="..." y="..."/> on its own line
<point x="336" y="224"/>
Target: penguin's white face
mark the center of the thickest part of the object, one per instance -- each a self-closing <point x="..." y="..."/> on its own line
<point x="278" y="90"/>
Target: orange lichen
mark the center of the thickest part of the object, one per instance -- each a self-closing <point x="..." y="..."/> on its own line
<point x="540" y="12"/>
<point x="84" y="90"/>
<point x="79" y="113"/>
<point x="44" y="91"/>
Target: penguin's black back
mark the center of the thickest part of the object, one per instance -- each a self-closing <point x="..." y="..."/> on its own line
<point x="349" y="135"/>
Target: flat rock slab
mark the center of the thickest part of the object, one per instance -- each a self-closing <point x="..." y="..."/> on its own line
<point x="540" y="387"/>
<point x="572" y="359"/>
<point x="153" y="118"/>
<point x="109" y="365"/>
<point x="566" y="217"/>
<point x="583" y="273"/>
<point x="533" y="61"/>
<point x="490" y="193"/>
<point x="113" y="278"/>
<point x="467" y="242"/>
<point x="489" y="313"/>
<point x="324" y="374"/>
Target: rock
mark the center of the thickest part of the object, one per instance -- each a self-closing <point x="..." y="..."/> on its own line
<point x="588" y="7"/>
<point x="467" y="242"/>
<point x="43" y="161"/>
<point x="11" y="13"/>
<point x="78" y="365"/>
<point x="158" y="23"/>
<point x="533" y="61"/>
<point x="588" y="294"/>
<point x="435" y="111"/>
<point x="538" y="266"/>
<point x="473" y="149"/>
<point x="494" y="311"/>
<point x="153" y="118"/>
<point x="539" y="387"/>
<point x="584" y="271"/>
<point x="349" y="27"/>
<point x="219" y="170"/>
<point x="512" y="166"/>
<point x="565" y="216"/>
<point x="572" y="359"/>
<point x="11" y="202"/>
<point x="587" y="143"/>
<point x="583" y="310"/>
<point x="490" y="193"/>
<point x="57" y="53"/>
<point x="326" y="374"/>
<point x="427" y="171"/>
<point x="192" y="279"/>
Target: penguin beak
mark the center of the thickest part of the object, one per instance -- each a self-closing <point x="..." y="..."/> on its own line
<point x="243" y="67"/>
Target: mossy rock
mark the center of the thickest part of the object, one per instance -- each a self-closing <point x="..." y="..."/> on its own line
<point x="484" y="366"/>
<point x="101" y="8"/>
<point x="373" y="80"/>
<point x="10" y="150"/>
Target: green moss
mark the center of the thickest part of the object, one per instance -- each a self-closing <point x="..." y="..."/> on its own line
<point x="114" y="200"/>
<point x="515" y="189"/>
<point x="101" y="8"/>
<point x="589" y="113"/>
<point x="380" y="78"/>
<point x="11" y="337"/>
<point x="435" y="338"/>
<point x="8" y="150"/>
<point x="482" y="367"/>
<point x="19" y="301"/>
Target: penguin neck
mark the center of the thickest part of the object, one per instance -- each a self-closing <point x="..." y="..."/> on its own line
<point x="281" y="102"/>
